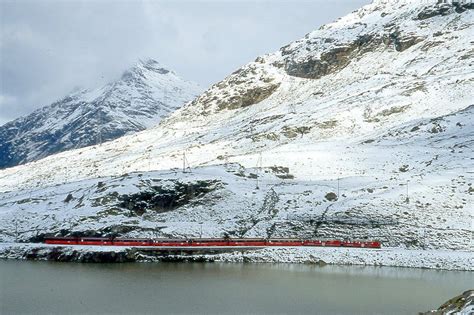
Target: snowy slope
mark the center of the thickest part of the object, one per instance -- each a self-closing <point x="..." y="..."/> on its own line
<point x="144" y="95"/>
<point x="362" y="129"/>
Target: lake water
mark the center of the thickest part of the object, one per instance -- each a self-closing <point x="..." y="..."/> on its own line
<point x="212" y="288"/>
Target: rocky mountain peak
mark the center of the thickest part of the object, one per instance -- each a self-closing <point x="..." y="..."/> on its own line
<point x="153" y="65"/>
<point x="144" y="68"/>
<point x="144" y="95"/>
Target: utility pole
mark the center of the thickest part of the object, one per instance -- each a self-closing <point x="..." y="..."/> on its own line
<point x="99" y="127"/>
<point x="407" y="200"/>
<point x="16" y="230"/>
<point x="292" y="108"/>
<point x="149" y="161"/>
<point x="259" y="167"/>
<point x="423" y="238"/>
<point x="338" y="187"/>
<point x="165" y="96"/>
<point x="185" y="163"/>
<point x="252" y="132"/>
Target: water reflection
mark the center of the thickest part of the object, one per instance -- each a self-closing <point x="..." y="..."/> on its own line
<point x="45" y="287"/>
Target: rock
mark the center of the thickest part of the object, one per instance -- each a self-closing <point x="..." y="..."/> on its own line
<point x="329" y="61"/>
<point x="248" y="97"/>
<point x="403" y="168"/>
<point x="164" y="199"/>
<point x="321" y="263"/>
<point x="68" y="198"/>
<point x="442" y="8"/>
<point x="429" y="12"/>
<point x="315" y="68"/>
<point x="461" y="304"/>
<point x="401" y="41"/>
<point x="247" y="86"/>
<point x="331" y="196"/>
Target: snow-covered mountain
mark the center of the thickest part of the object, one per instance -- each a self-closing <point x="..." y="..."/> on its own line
<point x="143" y="96"/>
<point x="362" y="129"/>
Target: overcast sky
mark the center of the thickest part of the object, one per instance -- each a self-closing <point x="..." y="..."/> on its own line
<point x="50" y="47"/>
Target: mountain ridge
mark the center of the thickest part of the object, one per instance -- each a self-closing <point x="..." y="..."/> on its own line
<point x="146" y="93"/>
<point x="386" y="119"/>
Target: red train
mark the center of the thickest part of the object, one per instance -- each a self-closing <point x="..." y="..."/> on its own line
<point x="208" y="242"/>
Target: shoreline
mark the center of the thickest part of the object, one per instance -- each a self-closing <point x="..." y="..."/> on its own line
<point x="389" y="257"/>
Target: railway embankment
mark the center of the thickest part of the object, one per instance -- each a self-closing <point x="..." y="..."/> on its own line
<point x="394" y="257"/>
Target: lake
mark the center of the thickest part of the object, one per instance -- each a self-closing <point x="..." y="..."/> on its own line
<point x="216" y="288"/>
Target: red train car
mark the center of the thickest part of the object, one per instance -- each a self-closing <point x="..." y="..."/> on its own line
<point x="208" y="242"/>
<point x="284" y="242"/>
<point x="246" y="242"/>
<point x="62" y="240"/>
<point x="170" y="242"/>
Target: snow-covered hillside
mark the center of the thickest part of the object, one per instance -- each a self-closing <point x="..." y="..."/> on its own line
<point x="143" y="96"/>
<point x="362" y="129"/>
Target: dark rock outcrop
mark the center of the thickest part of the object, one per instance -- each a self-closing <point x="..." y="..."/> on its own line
<point x="91" y="255"/>
<point x="164" y="199"/>
<point x="236" y="92"/>
<point x="401" y="41"/>
<point x="316" y="66"/>
<point x="461" y="304"/>
<point x="432" y="11"/>
<point x="330" y="61"/>
<point x="442" y="8"/>
<point x="64" y="254"/>
<point x="248" y="97"/>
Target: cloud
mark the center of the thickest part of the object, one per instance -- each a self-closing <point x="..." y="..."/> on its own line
<point x="49" y="47"/>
